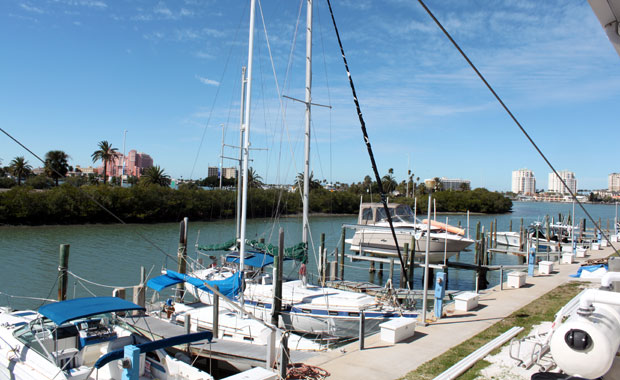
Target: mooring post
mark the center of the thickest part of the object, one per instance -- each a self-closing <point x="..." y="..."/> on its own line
<point x="440" y="292"/>
<point x="362" y="329"/>
<point x="323" y="259"/>
<point x="371" y="268"/>
<point x="188" y="329"/>
<point x="392" y="271"/>
<point x="406" y="254"/>
<point x="510" y="226"/>
<point x="495" y="234"/>
<point x="63" y="266"/>
<point x="277" y="284"/>
<point x="412" y="261"/>
<point x="216" y="313"/>
<point x="284" y="356"/>
<point x="342" y="237"/>
<point x="182" y="258"/>
<point x="501" y="277"/>
<point x="521" y="236"/>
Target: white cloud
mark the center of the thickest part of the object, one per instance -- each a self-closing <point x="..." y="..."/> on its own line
<point x="85" y="3"/>
<point x="207" y="81"/>
<point x="31" y="8"/>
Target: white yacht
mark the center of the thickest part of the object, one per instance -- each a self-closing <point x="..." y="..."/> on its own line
<point x="373" y="234"/>
<point x="84" y="338"/>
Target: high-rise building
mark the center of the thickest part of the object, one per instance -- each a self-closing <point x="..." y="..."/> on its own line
<point x="614" y="182"/>
<point x="135" y="164"/>
<point x="213" y="171"/>
<point x="523" y="182"/>
<point x="556" y="186"/>
<point x="454" y="184"/>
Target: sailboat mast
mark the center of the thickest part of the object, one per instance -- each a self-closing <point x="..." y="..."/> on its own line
<point x="308" y="99"/>
<point x="239" y="175"/>
<point x="246" y="143"/>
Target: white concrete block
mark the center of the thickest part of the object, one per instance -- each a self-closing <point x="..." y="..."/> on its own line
<point x="256" y="373"/>
<point x="595" y="246"/>
<point x="466" y="301"/>
<point x="516" y="279"/>
<point x="397" y="329"/>
<point x="581" y="252"/>
<point x="545" y="267"/>
<point x="567" y="258"/>
<point x="603" y="243"/>
<point x="614" y="238"/>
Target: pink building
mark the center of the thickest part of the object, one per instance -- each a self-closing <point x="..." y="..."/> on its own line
<point x="135" y="164"/>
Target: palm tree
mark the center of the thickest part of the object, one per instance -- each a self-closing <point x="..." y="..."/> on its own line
<point x="105" y="153"/>
<point x="389" y="182"/>
<point x="155" y="175"/>
<point x="19" y="167"/>
<point x="254" y="180"/>
<point x="438" y="184"/>
<point x="313" y="183"/>
<point x="56" y="165"/>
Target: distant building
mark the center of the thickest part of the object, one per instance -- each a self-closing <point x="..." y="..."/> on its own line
<point x="454" y="184"/>
<point x="614" y="182"/>
<point x="448" y="183"/>
<point x="556" y="186"/>
<point x="135" y="164"/>
<point x="213" y="171"/>
<point x="523" y="182"/>
<point x="85" y="171"/>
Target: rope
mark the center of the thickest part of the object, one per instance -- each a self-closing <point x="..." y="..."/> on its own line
<point x="305" y="371"/>
<point x="369" y="148"/>
<point x="505" y="107"/>
<point x="97" y="284"/>
<point x="27" y="298"/>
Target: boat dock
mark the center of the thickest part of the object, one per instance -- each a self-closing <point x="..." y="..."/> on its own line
<point x="239" y="353"/>
<point x="381" y="360"/>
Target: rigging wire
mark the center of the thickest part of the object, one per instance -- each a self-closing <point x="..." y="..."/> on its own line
<point x="512" y="116"/>
<point x="369" y="148"/>
<point x="204" y="131"/>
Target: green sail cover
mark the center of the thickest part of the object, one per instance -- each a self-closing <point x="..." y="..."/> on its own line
<point x="218" y="247"/>
<point x="297" y="252"/>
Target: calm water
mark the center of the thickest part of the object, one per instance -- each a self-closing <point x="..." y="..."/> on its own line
<point x="113" y="254"/>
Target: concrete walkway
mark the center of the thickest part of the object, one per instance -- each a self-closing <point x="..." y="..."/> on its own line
<point x="383" y="361"/>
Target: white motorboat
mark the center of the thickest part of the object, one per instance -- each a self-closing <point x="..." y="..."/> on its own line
<point x="84" y="338"/>
<point x="509" y="238"/>
<point x="373" y="235"/>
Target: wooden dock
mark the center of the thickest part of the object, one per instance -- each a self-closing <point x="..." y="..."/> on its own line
<point x="238" y="353"/>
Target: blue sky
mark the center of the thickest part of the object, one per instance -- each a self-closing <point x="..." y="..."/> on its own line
<point x="75" y="72"/>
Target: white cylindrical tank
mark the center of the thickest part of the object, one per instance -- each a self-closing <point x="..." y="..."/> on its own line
<point x="586" y="346"/>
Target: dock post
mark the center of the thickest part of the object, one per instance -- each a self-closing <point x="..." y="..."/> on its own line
<point x="371" y="268"/>
<point x="284" y="355"/>
<point x="501" y="277"/>
<point x="412" y="261"/>
<point x="323" y="259"/>
<point x="188" y="329"/>
<point x="63" y="266"/>
<point x="182" y="258"/>
<point x="216" y="313"/>
<point x="277" y="283"/>
<point x="440" y="292"/>
<point x="495" y="234"/>
<point x="342" y="237"/>
<point x="521" y="237"/>
<point x="362" y="329"/>
<point x="510" y="226"/>
<point x="392" y="271"/>
<point x="406" y="255"/>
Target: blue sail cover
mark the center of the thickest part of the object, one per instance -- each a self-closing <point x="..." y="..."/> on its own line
<point x="61" y="312"/>
<point x="230" y="287"/>
<point x="254" y="259"/>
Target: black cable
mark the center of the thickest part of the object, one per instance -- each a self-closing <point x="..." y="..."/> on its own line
<point x="456" y="45"/>
<point x="370" y="154"/>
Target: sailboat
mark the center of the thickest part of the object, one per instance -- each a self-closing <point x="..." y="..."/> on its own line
<point x="305" y="308"/>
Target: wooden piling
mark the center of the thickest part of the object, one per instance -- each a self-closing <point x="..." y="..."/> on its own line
<point x="362" y="330"/>
<point x="216" y="313"/>
<point x="182" y="258"/>
<point x="392" y="271"/>
<point x="495" y="234"/>
<point x="323" y="260"/>
<point x="277" y="291"/>
<point x="342" y="238"/>
<point x="510" y="226"/>
<point x="63" y="266"/>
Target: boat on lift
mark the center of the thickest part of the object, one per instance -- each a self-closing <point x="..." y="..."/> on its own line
<point x="373" y="235"/>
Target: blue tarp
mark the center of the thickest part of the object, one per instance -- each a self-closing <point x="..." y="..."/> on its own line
<point x="255" y="259"/>
<point x="155" y="345"/>
<point x="230" y="287"/>
<point x="589" y="268"/>
<point x="61" y="312"/>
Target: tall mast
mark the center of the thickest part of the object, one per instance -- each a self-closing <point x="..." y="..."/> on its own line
<point x="304" y="236"/>
<point x="239" y="175"/>
<point x="246" y="143"/>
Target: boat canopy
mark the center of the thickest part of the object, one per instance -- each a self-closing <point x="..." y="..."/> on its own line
<point x="253" y="259"/>
<point x="155" y="345"/>
<point x="61" y="312"/>
<point x="230" y="287"/>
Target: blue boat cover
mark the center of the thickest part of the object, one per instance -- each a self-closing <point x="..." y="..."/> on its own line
<point x="230" y="287"/>
<point x="63" y="311"/>
<point x="155" y="345"/>
<point x="254" y="259"/>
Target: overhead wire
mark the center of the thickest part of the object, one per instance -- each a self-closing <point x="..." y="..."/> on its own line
<point x="513" y="117"/>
